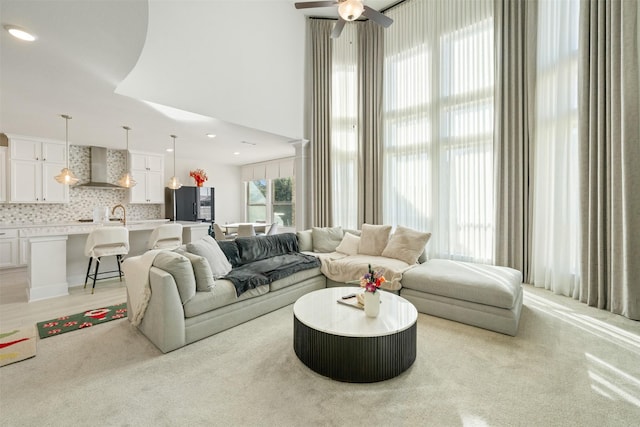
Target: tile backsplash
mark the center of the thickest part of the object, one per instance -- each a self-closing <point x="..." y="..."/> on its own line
<point x="82" y="200"/>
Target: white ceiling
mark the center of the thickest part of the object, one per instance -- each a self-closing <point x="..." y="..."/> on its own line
<point x="233" y="68"/>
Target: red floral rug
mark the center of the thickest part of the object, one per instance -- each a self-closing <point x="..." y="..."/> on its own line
<point x="82" y="320"/>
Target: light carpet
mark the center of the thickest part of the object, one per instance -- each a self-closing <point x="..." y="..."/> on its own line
<point x="569" y="365"/>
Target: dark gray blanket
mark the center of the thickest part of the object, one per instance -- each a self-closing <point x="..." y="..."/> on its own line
<point x="263" y="272"/>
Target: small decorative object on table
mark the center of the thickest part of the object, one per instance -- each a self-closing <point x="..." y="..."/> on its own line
<point x="199" y="175"/>
<point x="371" y="281"/>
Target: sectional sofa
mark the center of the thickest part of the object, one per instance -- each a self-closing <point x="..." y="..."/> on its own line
<point x="198" y="291"/>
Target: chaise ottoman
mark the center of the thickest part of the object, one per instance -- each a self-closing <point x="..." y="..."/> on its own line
<point x="486" y="296"/>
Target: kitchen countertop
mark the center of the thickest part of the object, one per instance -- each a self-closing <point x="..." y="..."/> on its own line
<point x="77" y="227"/>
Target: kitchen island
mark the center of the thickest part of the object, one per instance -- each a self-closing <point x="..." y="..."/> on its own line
<point x="54" y="253"/>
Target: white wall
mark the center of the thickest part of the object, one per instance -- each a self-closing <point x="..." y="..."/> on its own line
<point x="225" y="178"/>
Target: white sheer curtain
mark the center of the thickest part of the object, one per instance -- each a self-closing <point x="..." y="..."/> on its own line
<point x="556" y="220"/>
<point x="344" y="128"/>
<point x="438" y="125"/>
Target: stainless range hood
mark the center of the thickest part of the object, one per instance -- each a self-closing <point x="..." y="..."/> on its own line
<point x="99" y="170"/>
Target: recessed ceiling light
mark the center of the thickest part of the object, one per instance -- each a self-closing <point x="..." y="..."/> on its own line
<point x="236" y="153"/>
<point x="169" y="150"/>
<point x="211" y="135"/>
<point x="20" y="33"/>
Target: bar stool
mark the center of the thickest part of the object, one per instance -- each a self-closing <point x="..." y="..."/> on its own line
<point x="105" y="241"/>
<point x="166" y="236"/>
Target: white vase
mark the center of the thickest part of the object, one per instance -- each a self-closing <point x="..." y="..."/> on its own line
<point x="372" y="304"/>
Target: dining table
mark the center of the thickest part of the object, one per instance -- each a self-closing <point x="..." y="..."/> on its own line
<point x="234" y="225"/>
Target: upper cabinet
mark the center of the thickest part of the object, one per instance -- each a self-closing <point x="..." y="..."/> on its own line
<point x="148" y="171"/>
<point x="33" y="164"/>
<point x="3" y="174"/>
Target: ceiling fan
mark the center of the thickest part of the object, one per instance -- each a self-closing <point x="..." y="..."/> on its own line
<point x="348" y="10"/>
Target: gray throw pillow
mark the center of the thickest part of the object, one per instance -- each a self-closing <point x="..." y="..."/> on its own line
<point x="326" y="239"/>
<point x="374" y="239"/>
<point x="202" y="271"/>
<point x="209" y="249"/>
<point x="181" y="270"/>
<point x="305" y="240"/>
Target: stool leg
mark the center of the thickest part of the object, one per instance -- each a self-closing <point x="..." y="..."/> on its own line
<point x="118" y="258"/>
<point x="95" y="275"/>
<point x="88" y="270"/>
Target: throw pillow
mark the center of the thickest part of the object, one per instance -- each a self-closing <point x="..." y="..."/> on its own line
<point x="374" y="239"/>
<point x="406" y="245"/>
<point x="202" y="271"/>
<point x="326" y="239"/>
<point x="181" y="270"/>
<point x="349" y="244"/>
<point x="208" y="248"/>
<point x="305" y="240"/>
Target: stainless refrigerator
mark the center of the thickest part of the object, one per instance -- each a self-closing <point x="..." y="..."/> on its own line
<point x="191" y="204"/>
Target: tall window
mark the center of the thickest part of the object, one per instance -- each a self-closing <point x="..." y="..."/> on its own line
<point x="344" y="128"/>
<point x="271" y="200"/>
<point x="438" y="125"/>
<point x="556" y="220"/>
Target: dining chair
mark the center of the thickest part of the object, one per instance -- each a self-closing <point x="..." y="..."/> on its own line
<point x="246" y="230"/>
<point x="219" y="234"/>
<point x="105" y="241"/>
<point x="260" y="229"/>
<point x="273" y="229"/>
<point x="166" y="236"/>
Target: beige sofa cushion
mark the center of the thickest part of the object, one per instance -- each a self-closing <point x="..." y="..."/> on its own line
<point x="406" y="245"/>
<point x="349" y="244"/>
<point x="209" y="249"/>
<point x="374" y="239"/>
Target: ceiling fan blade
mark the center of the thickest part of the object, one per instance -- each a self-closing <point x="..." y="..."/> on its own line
<point x="310" y="4"/>
<point x="377" y="17"/>
<point x="337" y="28"/>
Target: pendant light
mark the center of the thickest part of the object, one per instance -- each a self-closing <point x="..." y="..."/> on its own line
<point x="174" y="184"/>
<point x="127" y="180"/>
<point x="65" y="176"/>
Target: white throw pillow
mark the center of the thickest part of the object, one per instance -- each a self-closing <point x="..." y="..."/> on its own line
<point x="202" y="271"/>
<point x="208" y="248"/>
<point x="326" y="239"/>
<point x="406" y="245"/>
<point x="374" y="239"/>
<point x="349" y="244"/>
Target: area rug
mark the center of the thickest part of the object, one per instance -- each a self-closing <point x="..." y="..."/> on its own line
<point x="17" y="345"/>
<point x="82" y="320"/>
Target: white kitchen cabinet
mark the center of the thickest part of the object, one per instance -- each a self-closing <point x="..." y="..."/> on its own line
<point x="23" y="251"/>
<point x="33" y="164"/>
<point x="3" y="174"/>
<point x="9" y="241"/>
<point x="148" y="171"/>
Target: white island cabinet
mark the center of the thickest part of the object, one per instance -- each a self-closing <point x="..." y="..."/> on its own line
<point x="148" y="171"/>
<point x="55" y="252"/>
<point x="33" y="164"/>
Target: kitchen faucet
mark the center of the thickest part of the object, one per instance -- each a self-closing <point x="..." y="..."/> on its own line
<point x="124" y="213"/>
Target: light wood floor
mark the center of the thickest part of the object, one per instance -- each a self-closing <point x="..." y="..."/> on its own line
<point x="16" y="311"/>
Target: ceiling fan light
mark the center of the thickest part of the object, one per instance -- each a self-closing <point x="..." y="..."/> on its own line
<point x="350" y="10"/>
<point x="20" y="33"/>
<point x="66" y="177"/>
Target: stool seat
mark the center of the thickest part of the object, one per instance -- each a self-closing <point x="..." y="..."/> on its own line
<point x="105" y="241"/>
<point x="166" y="236"/>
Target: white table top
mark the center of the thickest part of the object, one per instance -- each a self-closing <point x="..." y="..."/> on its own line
<point x="237" y="224"/>
<point x="321" y="311"/>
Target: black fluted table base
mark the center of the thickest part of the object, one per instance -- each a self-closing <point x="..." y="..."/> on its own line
<point x="355" y="359"/>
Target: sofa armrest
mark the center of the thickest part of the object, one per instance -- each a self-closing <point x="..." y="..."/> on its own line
<point x="163" y="322"/>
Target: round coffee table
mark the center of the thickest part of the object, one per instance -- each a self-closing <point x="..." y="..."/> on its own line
<point x="342" y="343"/>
